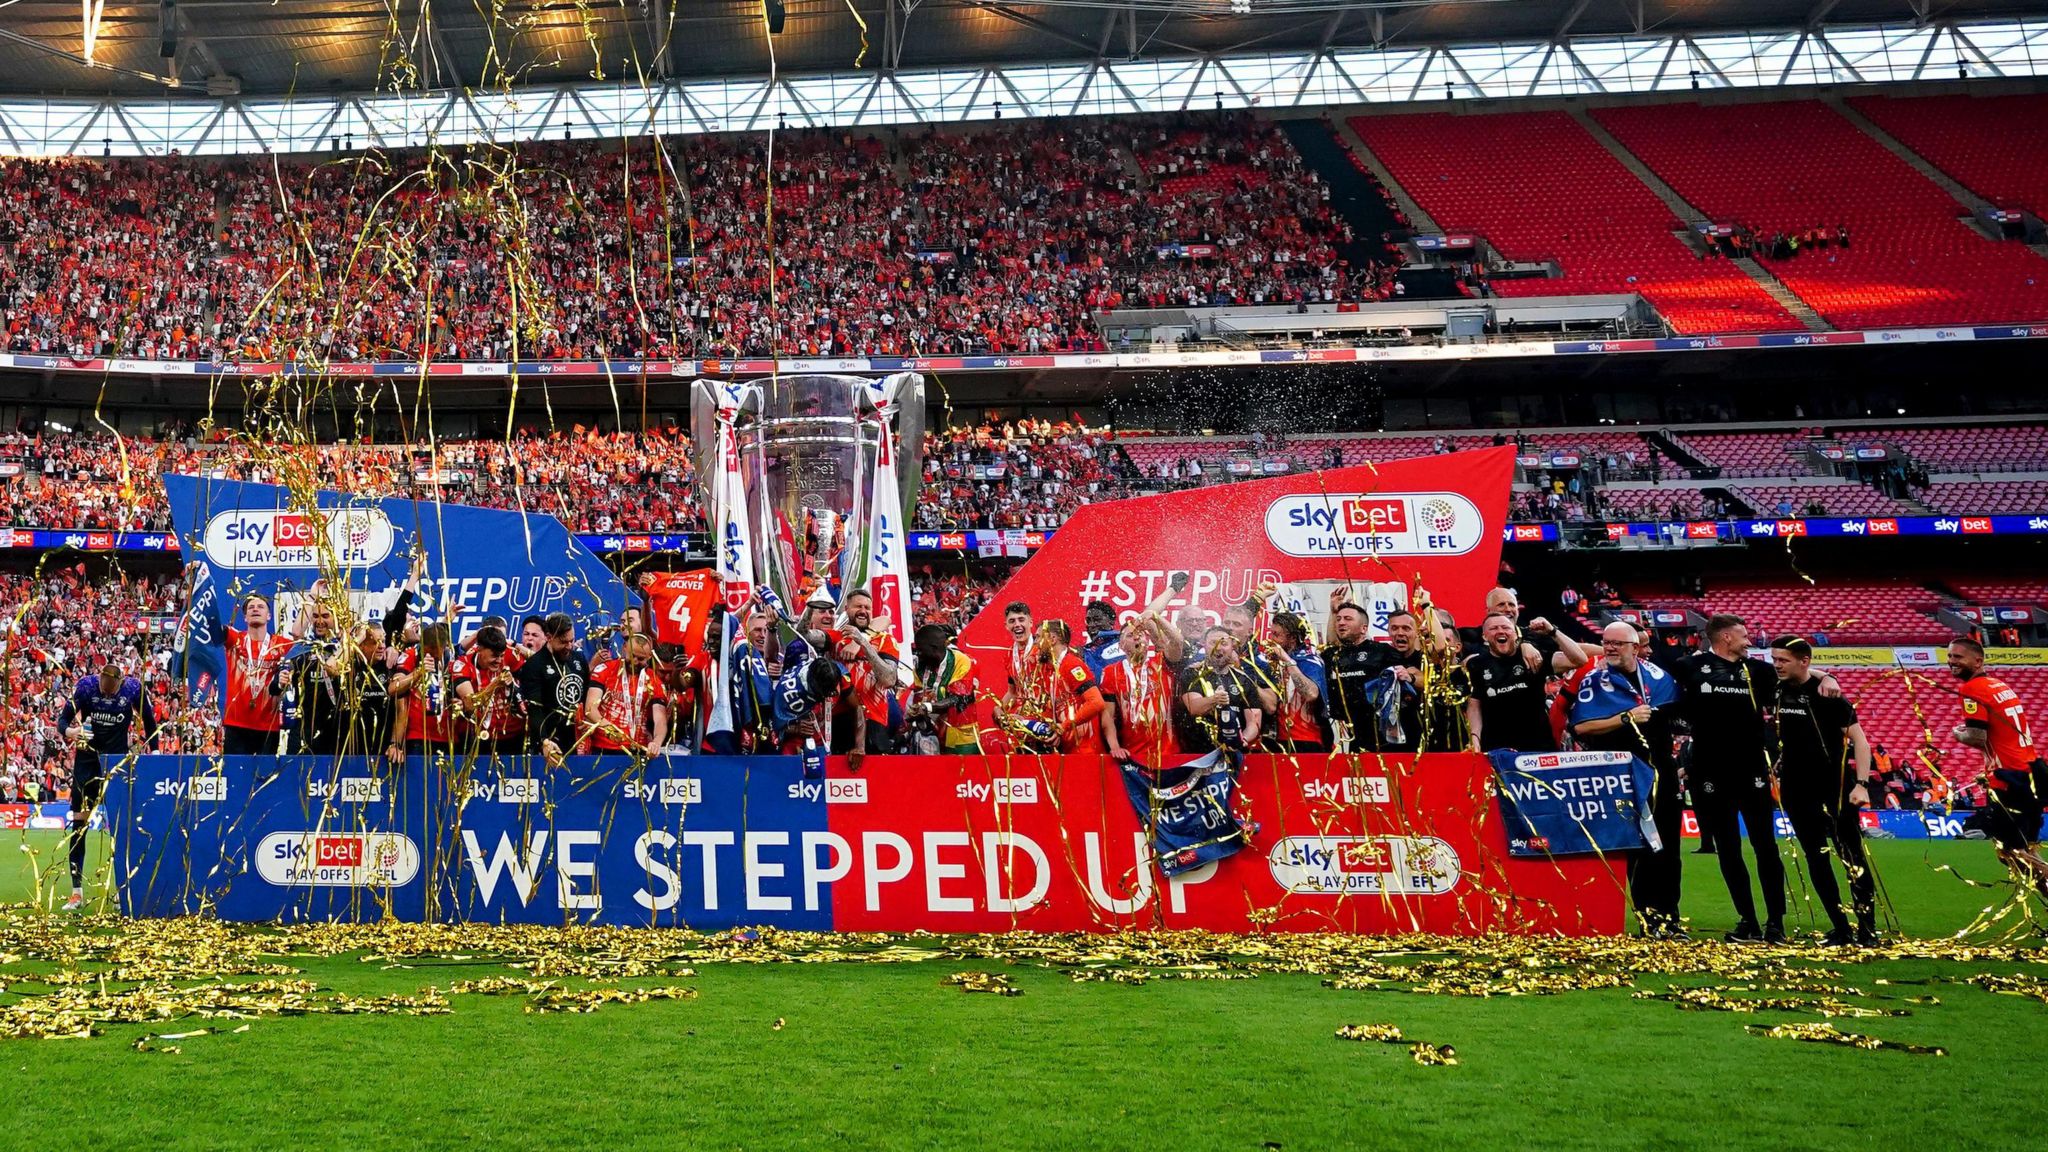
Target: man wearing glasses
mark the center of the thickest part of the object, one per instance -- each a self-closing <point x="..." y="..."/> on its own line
<point x="1626" y="704"/>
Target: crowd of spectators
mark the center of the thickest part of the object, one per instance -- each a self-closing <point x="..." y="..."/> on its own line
<point x="1005" y="239"/>
<point x="59" y="626"/>
<point x="595" y="482"/>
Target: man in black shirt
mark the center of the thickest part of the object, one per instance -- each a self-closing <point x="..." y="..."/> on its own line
<point x="1221" y="705"/>
<point x="552" y="682"/>
<point x="1557" y="652"/>
<point x="1727" y="700"/>
<point x="1507" y="708"/>
<point x="371" y="720"/>
<point x="311" y="686"/>
<point x="1352" y="662"/>
<point x="1823" y="781"/>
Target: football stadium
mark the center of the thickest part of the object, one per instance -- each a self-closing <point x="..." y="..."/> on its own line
<point x="1209" y="574"/>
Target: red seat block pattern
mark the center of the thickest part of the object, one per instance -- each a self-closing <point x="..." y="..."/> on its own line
<point x="1538" y="187"/>
<point x="1789" y="166"/>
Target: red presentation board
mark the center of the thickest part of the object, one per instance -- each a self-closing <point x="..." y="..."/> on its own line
<point x="1432" y="521"/>
<point x="1369" y="844"/>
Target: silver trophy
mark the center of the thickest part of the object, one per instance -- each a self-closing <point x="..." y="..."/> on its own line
<point x="786" y="467"/>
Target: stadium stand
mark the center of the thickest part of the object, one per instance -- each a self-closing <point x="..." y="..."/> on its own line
<point x="1996" y="146"/>
<point x="1909" y="716"/>
<point x="1751" y="453"/>
<point x="62" y="623"/>
<point x="2000" y="591"/>
<point x="1538" y="187"/>
<point x="1795" y="166"/>
<point x="1838" y="498"/>
<point x="1004" y="239"/>
<point x="1845" y="612"/>
<point x="2022" y="448"/>
<point x="1968" y="497"/>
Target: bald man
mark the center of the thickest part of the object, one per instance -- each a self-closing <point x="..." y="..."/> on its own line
<point x="1626" y="704"/>
<point x="1559" y="654"/>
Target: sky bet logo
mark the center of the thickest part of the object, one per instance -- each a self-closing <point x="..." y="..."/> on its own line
<point x="1362" y="523"/>
<point x="853" y="791"/>
<point x="198" y="789"/>
<point x="359" y="537"/>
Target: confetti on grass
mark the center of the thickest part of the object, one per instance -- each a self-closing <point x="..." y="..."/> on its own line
<point x="1422" y="1052"/>
<point x="1827" y="1034"/>
<point x="994" y="983"/>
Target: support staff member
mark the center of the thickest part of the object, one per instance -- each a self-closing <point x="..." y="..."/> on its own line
<point x="1507" y="708"/>
<point x="96" y="720"/>
<point x="1727" y="700"/>
<point x="1626" y="704"/>
<point x="1353" y="661"/>
<point x="552" y="681"/>
<point x="1823" y="781"/>
<point x="372" y="717"/>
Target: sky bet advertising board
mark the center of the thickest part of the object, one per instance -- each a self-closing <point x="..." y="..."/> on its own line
<point x="945" y="844"/>
<point x="481" y="562"/>
<point x="1434" y="522"/>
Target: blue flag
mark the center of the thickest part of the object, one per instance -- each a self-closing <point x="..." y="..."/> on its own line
<point x="200" y="646"/>
<point x="1607" y="692"/>
<point x="1187" y="812"/>
<point x="1565" y="803"/>
<point x="253" y="539"/>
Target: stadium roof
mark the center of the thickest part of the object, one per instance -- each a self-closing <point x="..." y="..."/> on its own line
<point x="331" y="47"/>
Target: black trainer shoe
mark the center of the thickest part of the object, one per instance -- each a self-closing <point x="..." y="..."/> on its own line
<point x="1746" y="932"/>
<point x="1774" y="932"/>
<point x="1840" y="937"/>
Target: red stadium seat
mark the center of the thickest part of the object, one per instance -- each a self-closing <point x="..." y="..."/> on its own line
<point x="1539" y="188"/>
<point x="1790" y="166"/>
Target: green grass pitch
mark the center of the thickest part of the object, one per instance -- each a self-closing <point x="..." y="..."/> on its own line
<point x="886" y="1055"/>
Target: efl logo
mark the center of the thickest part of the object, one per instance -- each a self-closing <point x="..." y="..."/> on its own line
<point x="346" y="860"/>
<point x="519" y="790"/>
<point x="1364" y="865"/>
<point x="1342" y="524"/>
<point x="853" y="791"/>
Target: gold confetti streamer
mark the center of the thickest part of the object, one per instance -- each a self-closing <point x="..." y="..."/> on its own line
<point x="1439" y="1055"/>
<point x="1826" y="1034"/>
<point x="994" y="983"/>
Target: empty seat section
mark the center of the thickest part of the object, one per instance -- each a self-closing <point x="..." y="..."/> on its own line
<point x="1790" y="166"/>
<point x="1996" y="146"/>
<point x="1538" y="187"/>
